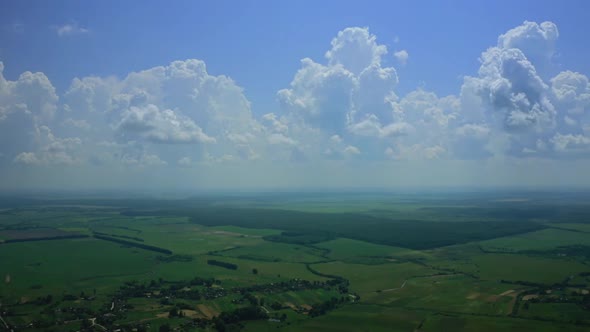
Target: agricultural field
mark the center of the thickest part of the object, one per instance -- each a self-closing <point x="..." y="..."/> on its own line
<point x="296" y="262"/>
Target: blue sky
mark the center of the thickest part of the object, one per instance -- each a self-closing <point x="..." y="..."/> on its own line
<point x="434" y="120"/>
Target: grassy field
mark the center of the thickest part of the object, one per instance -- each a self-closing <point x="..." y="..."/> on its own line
<point x="355" y="251"/>
<point x="376" y="262"/>
<point x="376" y="318"/>
<point x="485" y="324"/>
<point x="55" y="267"/>
<point x="367" y="280"/>
<point x="276" y="252"/>
<point x="526" y="268"/>
<point x="545" y="239"/>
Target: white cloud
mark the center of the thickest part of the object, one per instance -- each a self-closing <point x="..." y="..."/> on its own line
<point x="349" y="97"/>
<point x="280" y="139"/>
<point x="401" y="57"/>
<point x="571" y="143"/>
<point x="352" y="150"/>
<point x="355" y="49"/>
<point x="341" y="110"/>
<point x="516" y="95"/>
<point x="336" y="139"/>
<point x="25" y="104"/>
<point x="31" y="93"/>
<point x="569" y="121"/>
<point x="27" y="158"/>
<point x="160" y="126"/>
<point x="572" y="92"/>
<point x="275" y="124"/>
<point x="535" y="40"/>
<point x="70" y="29"/>
<point x="320" y="95"/>
<point x="51" y="150"/>
<point x="177" y="104"/>
<point x="522" y="112"/>
<point x="371" y="127"/>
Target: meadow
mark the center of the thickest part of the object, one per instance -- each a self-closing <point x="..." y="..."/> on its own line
<point x="470" y="261"/>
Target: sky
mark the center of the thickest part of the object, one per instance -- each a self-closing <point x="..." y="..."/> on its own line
<point x="203" y="95"/>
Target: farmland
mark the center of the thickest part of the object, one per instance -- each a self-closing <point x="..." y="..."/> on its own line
<point x="477" y="261"/>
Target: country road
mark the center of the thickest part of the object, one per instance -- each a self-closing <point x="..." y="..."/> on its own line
<point x="392" y="289"/>
<point x="4" y="322"/>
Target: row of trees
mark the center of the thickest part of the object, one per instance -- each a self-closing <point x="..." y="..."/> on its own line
<point x="134" y="244"/>
<point x="226" y="265"/>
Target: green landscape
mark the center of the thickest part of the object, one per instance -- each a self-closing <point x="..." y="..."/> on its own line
<point x="471" y="261"/>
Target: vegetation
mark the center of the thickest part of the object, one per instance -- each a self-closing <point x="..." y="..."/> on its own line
<point x="134" y="244"/>
<point x="296" y="263"/>
<point x="226" y="265"/>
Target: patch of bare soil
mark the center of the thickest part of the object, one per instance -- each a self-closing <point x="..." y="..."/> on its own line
<point x="508" y="292"/>
<point x="191" y="313"/>
<point x="207" y="311"/>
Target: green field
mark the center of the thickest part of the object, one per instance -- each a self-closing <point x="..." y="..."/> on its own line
<point x="276" y="252"/>
<point x="379" y="262"/>
<point x="69" y="266"/>
<point x="534" y="269"/>
<point x="356" y="251"/>
<point x="540" y="240"/>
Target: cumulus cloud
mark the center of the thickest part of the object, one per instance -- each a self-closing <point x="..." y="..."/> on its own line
<point x="336" y="139"/>
<point x="27" y="158"/>
<point x="353" y="97"/>
<point x="281" y="139"/>
<point x="31" y="93"/>
<point x="160" y="126"/>
<point x="506" y="108"/>
<point x="571" y="143"/>
<point x="355" y="49"/>
<point x="274" y="123"/>
<point x="572" y="92"/>
<point x="177" y="104"/>
<point x="51" y="150"/>
<point x="343" y="108"/>
<point x="349" y="97"/>
<point x="515" y="94"/>
<point x="320" y="95"/>
<point x="401" y="57"/>
<point x="524" y="114"/>
<point x="352" y="150"/>
<point x="371" y="127"/>
<point x="535" y="40"/>
<point x="25" y="104"/>
<point x="70" y="29"/>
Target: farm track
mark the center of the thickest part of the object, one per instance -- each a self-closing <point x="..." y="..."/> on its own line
<point x="393" y="289"/>
<point x="418" y="277"/>
<point x="4" y="322"/>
